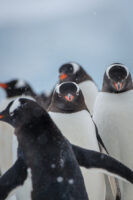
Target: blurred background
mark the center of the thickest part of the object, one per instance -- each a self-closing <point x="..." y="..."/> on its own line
<point x="38" y="36"/>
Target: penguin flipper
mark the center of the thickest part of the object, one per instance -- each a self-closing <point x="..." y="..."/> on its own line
<point x="13" y="178"/>
<point x="115" y="188"/>
<point x="103" y="163"/>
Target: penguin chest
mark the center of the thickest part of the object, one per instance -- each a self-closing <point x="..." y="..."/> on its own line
<point x="113" y="114"/>
<point x="78" y="128"/>
<point x="6" y="134"/>
<point x="90" y="91"/>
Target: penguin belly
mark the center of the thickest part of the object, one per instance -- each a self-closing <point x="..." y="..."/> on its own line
<point x="90" y="92"/>
<point x="79" y="129"/>
<point x="113" y="115"/>
<point x="6" y="135"/>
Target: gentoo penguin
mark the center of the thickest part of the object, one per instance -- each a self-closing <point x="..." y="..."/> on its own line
<point x="13" y="89"/>
<point x="69" y="112"/>
<point x="75" y="73"/>
<point x="49" y="158"/>
<point x="113" y="115"/>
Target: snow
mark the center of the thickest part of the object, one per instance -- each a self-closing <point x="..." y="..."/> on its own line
<point x="60" y="179"/>
<point x="53" y="166"/>
<point x="70" y="181"/>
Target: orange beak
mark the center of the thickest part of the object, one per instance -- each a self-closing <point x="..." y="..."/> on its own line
<point x="3" y="85"/>
<point x="63" y="76"/>
<point x="1" y="116"/>
<point x="69" y="97"/>
<point x="118" y="86"/>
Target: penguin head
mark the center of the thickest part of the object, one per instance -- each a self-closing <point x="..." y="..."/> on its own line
<point x="68" y="97"/>
<point x="21" y="111"/>
<point x="17" y="88"/>
<point x="72" y="72"/>
<point x="117" y="79"/>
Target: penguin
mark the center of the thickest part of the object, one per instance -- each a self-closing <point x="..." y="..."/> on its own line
<point x="49" y="158"/>
<point x="13" y="89"/>
<point x="75" y="73"/>
<point x="113" y="115"/>
<point x="69" y="111"/>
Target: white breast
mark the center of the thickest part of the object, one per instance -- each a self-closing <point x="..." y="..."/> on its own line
<point x="113" y="114"/>
<point x="6" y="135"/>
<point x="90" y="91"/>
<point x="79" y="129"/>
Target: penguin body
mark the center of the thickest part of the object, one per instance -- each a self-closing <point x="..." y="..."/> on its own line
<point x="75" y="122"/>
<point x="75" y="73"/>
<point x="55" y="173"/>
<point x="113" y="115"/>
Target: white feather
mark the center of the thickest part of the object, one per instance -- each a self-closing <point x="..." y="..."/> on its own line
<point x="16" y="104"/>
<point x="113" y="114"/>
<point x="89" y="91"/>
<point x="20" y="84"/>
<point x="79" y="129"/>
<point x="76" y="67"/>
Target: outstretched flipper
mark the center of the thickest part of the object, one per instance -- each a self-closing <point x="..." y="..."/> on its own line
<point x="103" y="163"/>
<point x="13" y="178"/>
<point x="114" y="184"/>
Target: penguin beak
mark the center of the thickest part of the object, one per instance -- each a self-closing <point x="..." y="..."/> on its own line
<point x="118" y="86"/>
<point x="1" y="116"/>
<point x="3" y="85"/>
<point x="69" y="97"/>
<point x="63" y="76"/>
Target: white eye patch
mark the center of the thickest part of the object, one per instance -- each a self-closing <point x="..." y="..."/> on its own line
<point x="16" y="104"/>
<point x="76" y="67"/>
<point x="108" y="69"/>
<point x="57" y="89"/>
<point x="20" y="84"/>
<point x="78" y="89"/>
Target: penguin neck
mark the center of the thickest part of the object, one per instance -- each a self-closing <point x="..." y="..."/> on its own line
<point x="55" y="108"/>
